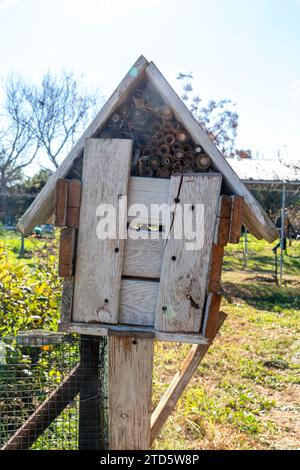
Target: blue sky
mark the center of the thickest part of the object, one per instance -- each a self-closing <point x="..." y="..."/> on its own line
<point x="244" y="50"/>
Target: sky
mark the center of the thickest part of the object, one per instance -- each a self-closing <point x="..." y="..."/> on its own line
<point x="244" y="50"/>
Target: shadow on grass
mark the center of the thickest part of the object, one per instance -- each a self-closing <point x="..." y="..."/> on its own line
<point x="263" y="296"/>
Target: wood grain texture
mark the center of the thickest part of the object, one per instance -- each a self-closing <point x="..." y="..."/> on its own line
<point x="215" y="274"/>
<point x="43" y="206"/>
<point x="102" y="329"/>
<point x="130" y="392"/>
<point x="221" y="236"/>
<point x="138" y="299"/>
<point x="255" y="218"/>
<point x="148" y="191"/>
<point x="178" y="385"/>
<point x="73" y="204"/>
<point x="61" y="197"/>
<point x="67" y="248"/>
<point x="236" y="219"/>
<point x="67" y="299"/>
<point x="143" y="258"/>
<point x="184" y="272"/>
<point x="211" y="315"/>
<point x="99" y="262"/>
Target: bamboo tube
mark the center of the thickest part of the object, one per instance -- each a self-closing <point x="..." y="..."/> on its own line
<point x="203" y="161"/>
<point x="164" y="149"/>
<point x="159" y="135"/>
<point x="163" y="172"/>
<point x="198" y="150"/>
<point x="138" y="98"/>
<point x="147" y="171"/>
<point x="156" y="126"/>
<point x="187" y="148"/>
<point x="147" y="152"/>
<point x="169" y="139"/>
<point x="177" y="167"/>
<point x="188" y="159"/>
<point x="182" y="136"/>
<point x="168" y="128"/>
<point x="154" y="143"/>
<point x="124" y="111"/>
<point x="178" y="155"/>
<point x="154" y="162"/>
<point x="177" y="146"/>
<point x="115" y="118"/>
<point x="166" y="112"/>
<point x="166" y="161"/>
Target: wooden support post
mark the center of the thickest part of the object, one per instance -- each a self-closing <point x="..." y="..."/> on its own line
<point x="223" y="221"/>
<point x="45" y="414"/>
<point x="211" y="315"/>
<point x="178" y="385"/>
<point x="89" y="410"/>
<point x="130" y="387"/>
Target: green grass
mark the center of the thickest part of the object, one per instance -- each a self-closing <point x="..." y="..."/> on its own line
<point x="245" y="394"/>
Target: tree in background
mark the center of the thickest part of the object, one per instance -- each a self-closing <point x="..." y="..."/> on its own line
<point x="218" y="118"/>
<point x="58" y="109"/>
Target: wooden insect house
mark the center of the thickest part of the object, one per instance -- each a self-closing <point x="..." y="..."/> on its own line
<point x="144" y="281"/>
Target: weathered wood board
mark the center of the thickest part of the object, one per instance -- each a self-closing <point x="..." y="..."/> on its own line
<point x="99" y="262"/>
<point x="184" y="271"/>
<point x="130" y="391"/>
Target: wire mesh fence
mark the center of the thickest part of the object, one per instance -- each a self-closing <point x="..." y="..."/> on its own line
<point x="52" y="392"/>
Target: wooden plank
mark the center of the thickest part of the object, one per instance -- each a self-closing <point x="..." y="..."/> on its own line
<point x="178" y="385"/>
<point x="67" y="248"/>
<point x="255" y="218"/>
<point x="130" y="392"/>
<point x="143" y="258"/>
<point x="89" y="405"/>
<point x="236" y="219"/>
<point x="184" y="272"/>
<point x="99" y="262"/>
<point x="67" y="299"/>
<point x="61" y="197"/>
<point x="138" y="299"/>
<point x="211" y="315"/>
<point x="147" y="191"/>
<point x="73" y="204"/>
<point x="45" y="414"/>
<point x="223" y="221"/>
<point x="43" y="206"/>
<point x="215" y="274"/>
<point x="102" y="329"/>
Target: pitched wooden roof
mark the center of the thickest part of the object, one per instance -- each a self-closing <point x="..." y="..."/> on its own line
<point x="42" y="208"/>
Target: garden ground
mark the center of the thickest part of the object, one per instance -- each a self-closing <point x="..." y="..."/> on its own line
<point x="245" y="394"/>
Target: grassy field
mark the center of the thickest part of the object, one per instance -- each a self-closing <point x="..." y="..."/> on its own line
<point x="245" y="394"/>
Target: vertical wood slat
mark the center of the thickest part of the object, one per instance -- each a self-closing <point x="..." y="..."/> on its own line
<point x="217" y="254"/>
<point x="223" y="221"/>
<point x="67" y="248"/>
<point x="67" y="299"/>
<point x="61" y="198"/>
<point x="184" y="272"/>
<point x="236" y="219"/>
<point x="99" y="262"/>
<point x="73" y="203"/>
<point x="211" y="315"/>
<point x="130" y="390"/>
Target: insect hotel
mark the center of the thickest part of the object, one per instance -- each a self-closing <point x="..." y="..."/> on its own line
<point x="144" y="283"/>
